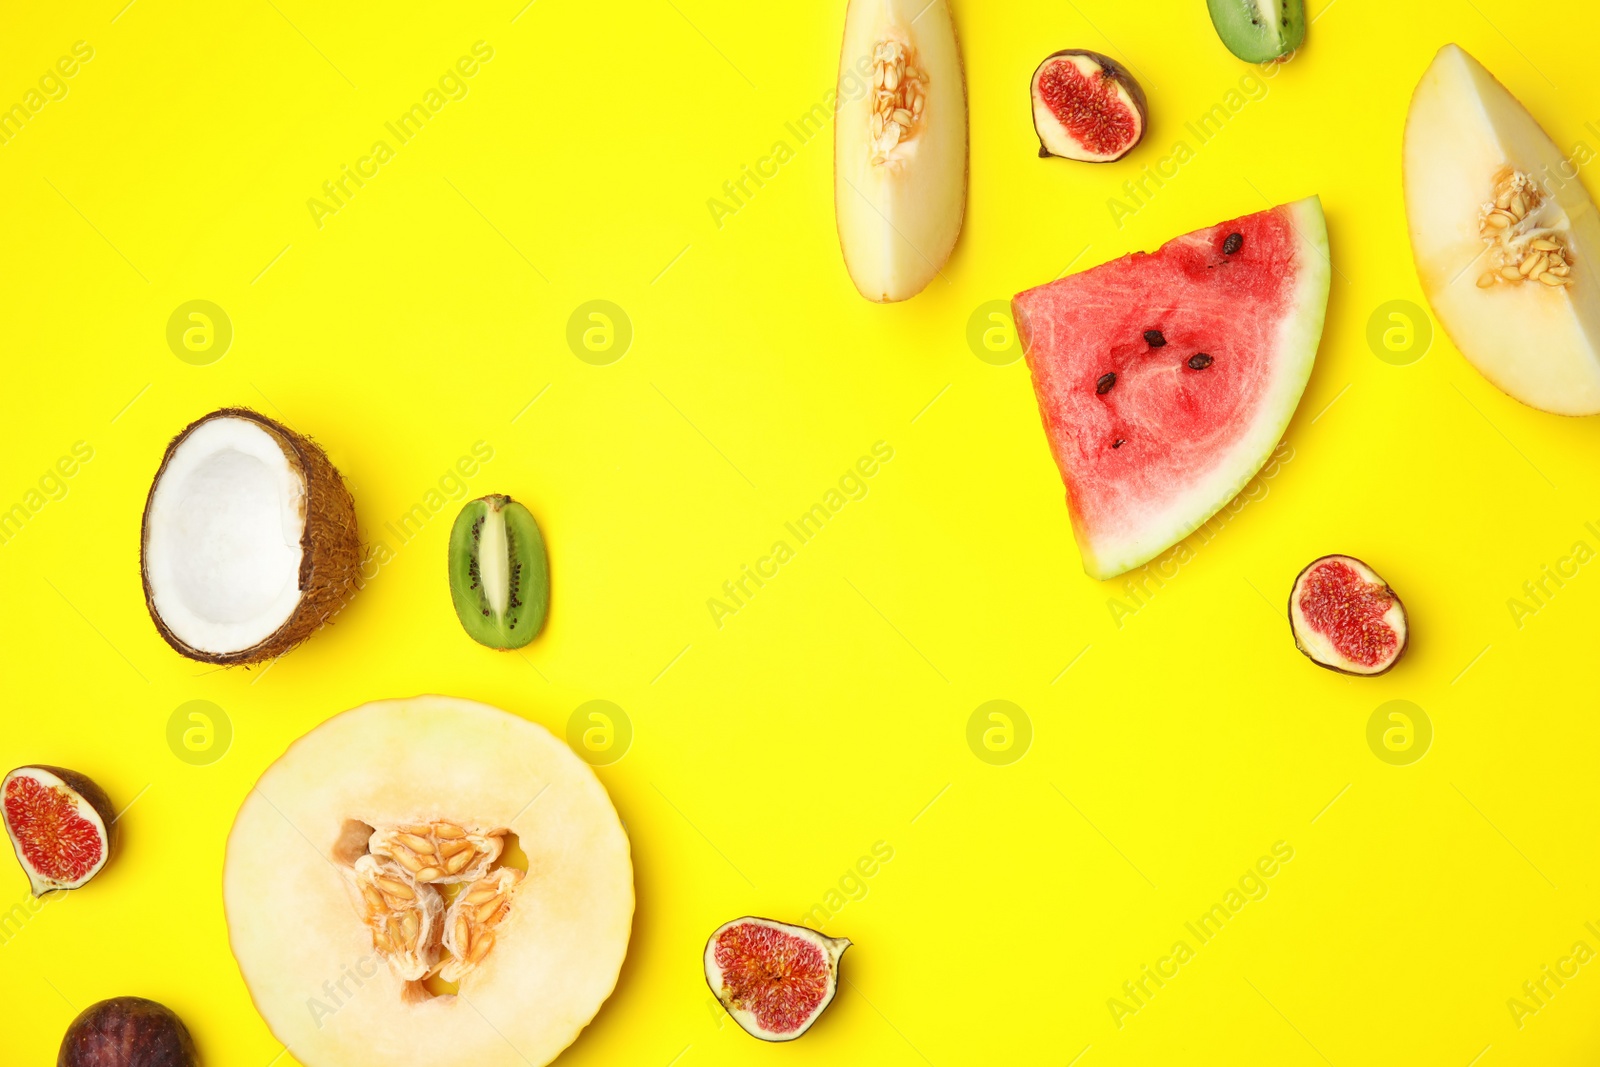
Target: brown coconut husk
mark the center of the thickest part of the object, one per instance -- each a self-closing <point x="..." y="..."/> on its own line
<point x="330" y="545"/>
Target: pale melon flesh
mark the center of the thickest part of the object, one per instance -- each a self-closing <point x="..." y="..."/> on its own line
<point x="900" y="145"/>
<point x="294" y="918"/>
<point x="1465" y="136"/>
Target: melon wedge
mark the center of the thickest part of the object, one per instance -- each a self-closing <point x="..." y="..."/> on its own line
<point x="370" y="857"/>
<point x="1166" y="379"/>
<point x="1469" y="144"/>
<point x="900" y="145"/>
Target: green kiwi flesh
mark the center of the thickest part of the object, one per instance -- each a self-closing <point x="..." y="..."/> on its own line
<point x="499" y="576"/>
<point x="1259" y="30"/>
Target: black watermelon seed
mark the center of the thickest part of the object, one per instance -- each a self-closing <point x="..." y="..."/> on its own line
<point x="1234" y="242"/>
<point x="1154" y="339"/>
<point x="1107" y="380"/>
<point x="1117" y="443"/>
<point x="1199" y="361"/>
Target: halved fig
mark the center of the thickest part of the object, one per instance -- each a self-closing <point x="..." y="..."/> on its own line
<point x="1346" y="618"/>
<point x="1086" y="106"/>
<point x="127" y="1032"/>
<point x="367" y="870"/>
<point x="249" y="540"/>
<point x="900" y="145"/>
<point x="60" y="824"/>
<point x="774" y="978"/>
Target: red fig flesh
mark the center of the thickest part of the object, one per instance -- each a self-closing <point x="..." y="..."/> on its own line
<point x="1086" y="106"/>
<point x="1346" y="618"/>
<point x="774" y="979"/>
<point x="127" y="1032"/>
<point x="59" y="823"/>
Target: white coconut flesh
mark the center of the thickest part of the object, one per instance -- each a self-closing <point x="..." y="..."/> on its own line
<point x="295" y="916"/>
<point x="1468" y="142"/>
<point x="223" y="537"/>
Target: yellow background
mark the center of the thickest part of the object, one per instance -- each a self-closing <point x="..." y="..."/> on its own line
<point x="831" y="711"/>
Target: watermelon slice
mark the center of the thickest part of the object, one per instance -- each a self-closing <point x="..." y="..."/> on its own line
<point x="1166" y="379"/>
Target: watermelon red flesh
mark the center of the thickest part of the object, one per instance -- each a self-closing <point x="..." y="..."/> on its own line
<point x="1159" y="452"/>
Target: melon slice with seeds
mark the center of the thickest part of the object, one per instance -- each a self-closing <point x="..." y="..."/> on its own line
<point x="1505" y="237"/>
<point x="373" y="906"/>
<point x="900" y="145"/>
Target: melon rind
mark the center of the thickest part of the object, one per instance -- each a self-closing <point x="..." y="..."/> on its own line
<point x="1106" y="554"/>
<point x="308" y="960"/>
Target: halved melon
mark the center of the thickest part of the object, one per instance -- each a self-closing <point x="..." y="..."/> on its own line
<point x="368" y="861"/>
<point x="900" y="145"/>
<point x="1505" y="237"/>
<point x="1166" y="379"/>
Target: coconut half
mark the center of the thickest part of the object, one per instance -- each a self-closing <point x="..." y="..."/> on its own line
<point x="249" y="540"/>
<point x="344" y="892"/>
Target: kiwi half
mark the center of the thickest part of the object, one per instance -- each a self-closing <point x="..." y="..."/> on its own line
<point x="1259" y="30"/>
<point x="499" y="576"/>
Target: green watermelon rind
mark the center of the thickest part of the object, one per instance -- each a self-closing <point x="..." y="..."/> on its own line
<point x="1300" y="334"/>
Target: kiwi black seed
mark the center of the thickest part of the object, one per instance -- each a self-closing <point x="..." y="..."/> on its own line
<point x="499" y="573"/>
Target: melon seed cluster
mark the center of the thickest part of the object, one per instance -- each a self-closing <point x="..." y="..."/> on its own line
<point x="439" y="852"/>
<point x="899" y="93"/>
<point x="1519" y="248"/>
<point x="401" y="903"/>
<point x="470" y="932"/>
<point x="403" y="915"/>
